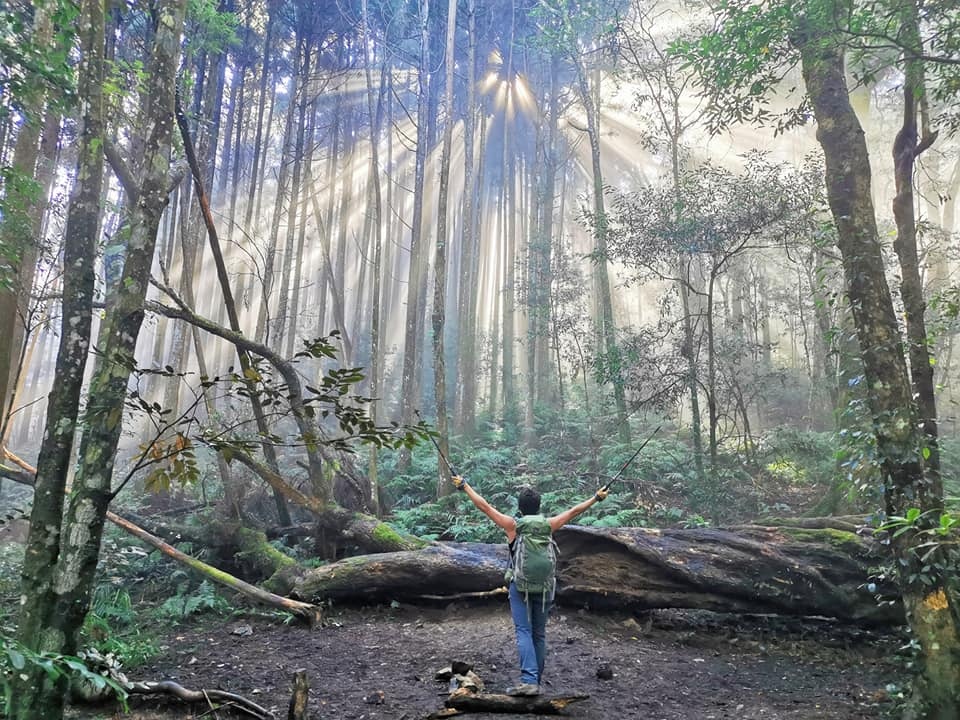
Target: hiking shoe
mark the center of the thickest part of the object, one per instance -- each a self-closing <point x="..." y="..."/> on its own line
<point x="524" y="690"/>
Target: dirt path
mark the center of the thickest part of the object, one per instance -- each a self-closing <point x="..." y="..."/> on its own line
<point x="379" y="664"/>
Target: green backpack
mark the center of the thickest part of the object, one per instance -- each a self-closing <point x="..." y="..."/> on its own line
<point x="533" y="562"/>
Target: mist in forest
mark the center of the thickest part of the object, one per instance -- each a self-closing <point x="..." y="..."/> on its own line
<point x="332" y="139"/>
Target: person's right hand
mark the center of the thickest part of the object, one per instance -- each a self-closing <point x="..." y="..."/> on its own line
<point x="601" y="494"/>
<point x="458" y="482"/>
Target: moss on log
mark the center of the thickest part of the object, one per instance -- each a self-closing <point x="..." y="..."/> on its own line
<point x="794" y="571"/>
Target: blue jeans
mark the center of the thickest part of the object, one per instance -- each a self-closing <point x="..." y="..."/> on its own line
<point x="530" y="622"/>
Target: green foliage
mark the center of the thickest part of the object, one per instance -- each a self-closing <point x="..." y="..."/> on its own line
<point x="114" y="627"/>
<point x="31" y="66"/>
<point x="931" y="545"/>
<point x="742" y="60"/>
<point x="340" y="414"/>
<point x="11" y="560"/>
<point x="193" y="601"/>
<point x="713" y="213"/>
<point x="750" y="52"/>
<point x="857" y="453"/>
<point x="574" y="27"/>
<point x="209" y="29"/>
<point x="798" y="456"/>
<point x="18" y="202"/>
<point x="14" y="658"/>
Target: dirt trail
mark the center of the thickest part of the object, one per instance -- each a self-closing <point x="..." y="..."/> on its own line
<point x="378" y="664"/>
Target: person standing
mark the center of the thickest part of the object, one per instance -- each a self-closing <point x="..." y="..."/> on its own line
<point x="531" y="575"/>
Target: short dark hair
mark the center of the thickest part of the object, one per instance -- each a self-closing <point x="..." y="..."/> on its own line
<point x="528" y="500"/>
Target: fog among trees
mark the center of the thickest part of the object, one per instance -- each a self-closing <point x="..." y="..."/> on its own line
<point x="257" y="258"/>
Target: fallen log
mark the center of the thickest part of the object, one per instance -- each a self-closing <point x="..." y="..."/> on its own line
<point x="311" y="614"/>
<point x="757" y="569"/>
<point x="465" y="701"/>
<point x="778" y="570"/>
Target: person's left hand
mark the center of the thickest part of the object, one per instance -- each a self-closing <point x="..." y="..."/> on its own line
<point x="601" y="494"/>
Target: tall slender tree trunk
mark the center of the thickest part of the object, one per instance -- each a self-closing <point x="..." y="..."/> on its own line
<point x="410" y="386"/>
<point x="22" y="198"/>
<point x="306" y="149"/>
<point x="330" y="282"/>
<point x="713" y="411"/>
<point x="263" y="329"/>
<point x="440" y="261"/>
<point x="44" y="176"/>
<point x="508" y="338"/>
<point x="343" y="223"/>
<point x="929" y="603"/>
<point x="465" y="391"/>
<point x="912" y="140"/>
<point x="299" y="108"/>
<point x="494" y="267"/>
<point x="376" y="208"/>
<point x="259" y="152"/>
<point x="605" y="326"/>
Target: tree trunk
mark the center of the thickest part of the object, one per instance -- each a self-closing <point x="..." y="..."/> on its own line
<point x="463" y="416"/>
<point x="444" y="486"/>
<point x="509" y="289"/>
<point x="118" y="336"/>
<point x="27" y="320"/>
<point x="298" y="109"/>
<point x="269" y="451"/>
<point x="343" y="221"/>
<point x="34" y="695"/>
<point x="274" y="246"/>
<point x="930" y="606"/>
<point x="58" y="576"/>
<point x="17" y="229"/>
<point x="606" y="331"/>
<point x="410" y="391"/>
<point x="792" y="571"/>
<point x="907" y="147"/>
<point x="256" y="179"/>
<point x="311" y="614"/>
<point x="375" y="199"/>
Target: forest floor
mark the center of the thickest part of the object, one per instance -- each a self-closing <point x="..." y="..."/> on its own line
<point x="379" y="664"/>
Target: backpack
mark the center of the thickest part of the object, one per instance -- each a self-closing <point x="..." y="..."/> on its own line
<point x="533" y="562"/>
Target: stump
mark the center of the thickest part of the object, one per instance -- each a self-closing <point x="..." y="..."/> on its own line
<point x="298" y="700"/>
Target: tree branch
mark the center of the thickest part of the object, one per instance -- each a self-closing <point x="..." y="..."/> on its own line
<point x="120" y="169"/>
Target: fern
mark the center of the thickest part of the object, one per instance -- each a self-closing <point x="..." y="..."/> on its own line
<point x="203" y="599"/>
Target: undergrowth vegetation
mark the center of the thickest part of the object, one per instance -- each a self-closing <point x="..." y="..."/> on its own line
<point x="782" y="472"/>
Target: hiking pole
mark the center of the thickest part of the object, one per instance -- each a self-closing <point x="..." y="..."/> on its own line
<point x="437" y="446"/>
<point x="632" y="458"/>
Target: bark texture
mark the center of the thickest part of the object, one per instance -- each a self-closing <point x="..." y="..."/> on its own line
<point x="495" y="703"/>
<point x="930" y="606"/>
<point x="34" y="693"/>
<point x="54" y="613"/>
<point x="793" y="571"/>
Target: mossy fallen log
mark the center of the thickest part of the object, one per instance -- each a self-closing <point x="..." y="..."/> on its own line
<point x="779" y="570"/>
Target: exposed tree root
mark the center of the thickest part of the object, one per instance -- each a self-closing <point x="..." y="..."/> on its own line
<point x="169" y="687"/>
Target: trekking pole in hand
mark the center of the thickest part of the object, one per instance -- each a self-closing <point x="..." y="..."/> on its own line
<point x="606" y="488"/>
<point x="453" y="473"/>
